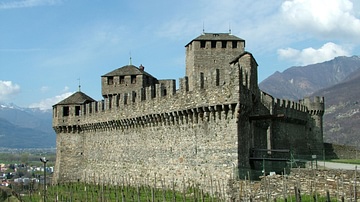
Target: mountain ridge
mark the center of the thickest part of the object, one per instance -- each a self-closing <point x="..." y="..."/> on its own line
<point x="340" y="90"/>
<point x="25" y="127"/>
<point x="300" y="81"/>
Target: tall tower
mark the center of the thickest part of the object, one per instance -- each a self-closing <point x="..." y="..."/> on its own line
<point x="209" y="53"/>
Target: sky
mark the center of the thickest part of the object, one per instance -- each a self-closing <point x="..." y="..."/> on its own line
<point x="49" y="47"/>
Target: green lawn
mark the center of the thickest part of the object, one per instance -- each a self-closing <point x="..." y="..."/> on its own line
<point x="350" y="161"/>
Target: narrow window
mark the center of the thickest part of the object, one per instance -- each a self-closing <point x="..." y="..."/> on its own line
<point x="234" y="44"/>
<point x="77" y="110"/>
<point x="102" y="105"/>
<point x="122" y="79"/>
<point x="133" y="96"/>
<point x="201" y="80"/>
<point x="117" y="100"/>
<point x="202" y="44"/>
<point x="223" y="44"/>
<point x="125" y="98"/>
<point x="133" y="78"/>
<point x="66" y="111"/>
<point x="164" y="92"/>
<point x="213" y="44"/>
<point x="110" y="101"/>
<point x="217" y="78"/>
<point x="110" y="80"/>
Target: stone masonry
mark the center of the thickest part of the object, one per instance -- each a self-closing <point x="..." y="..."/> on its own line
<point x="217" y="123"/>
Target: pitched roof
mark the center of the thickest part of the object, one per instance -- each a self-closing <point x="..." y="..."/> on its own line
<point x="216" y="36"/>
<point x="127" y="70"/>
<point x="241" y="55"/>
<point x="76" y="98"/>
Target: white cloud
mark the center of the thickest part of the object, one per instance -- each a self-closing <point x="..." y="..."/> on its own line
<point x="49" y="102"/>
<point x="44" y="89"/>
<point x="331" y="18"/>
<point x="310" y="55"/>
<point x="66" y="89"/>
<point x="27" y="3"/>
<point x="255" y="21"/>
<point x="8" y="89"/>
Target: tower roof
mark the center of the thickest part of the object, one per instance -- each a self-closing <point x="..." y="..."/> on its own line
<point x="241" y="55"/>
<point x="76" y="98"/>
<point x="127" y="70"/>
<point x="216" y="36"/>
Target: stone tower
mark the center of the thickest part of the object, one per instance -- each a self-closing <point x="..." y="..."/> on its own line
<point x="208" y="54"/>
<point x="316" y="109"/>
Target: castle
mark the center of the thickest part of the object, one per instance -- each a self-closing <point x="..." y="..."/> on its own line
<point x="217" y="123"/>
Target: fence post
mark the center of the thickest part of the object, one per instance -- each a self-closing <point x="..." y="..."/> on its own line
<point x="328" y="196"/>
<point x="355" y="194"/>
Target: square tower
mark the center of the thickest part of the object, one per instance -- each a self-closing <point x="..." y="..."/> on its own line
<point x="209" y="53"/>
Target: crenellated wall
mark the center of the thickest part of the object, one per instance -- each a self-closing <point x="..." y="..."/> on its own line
<point x="214" y="124"/>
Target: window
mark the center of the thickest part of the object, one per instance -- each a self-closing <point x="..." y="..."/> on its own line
<point x="234" y="44"/>
<point x="110" y="80"/>
<point x="223" y="44"/>
<point x="122" y="79"/>
<point x="133" y="78"/>
<point x="213" y="44"/>
<point x="202" y="44"/>
<point x="201" y="80"/>
<point x="66" y="111"/>
<point x="77" y="110"/>
<point x="133" y="96"/>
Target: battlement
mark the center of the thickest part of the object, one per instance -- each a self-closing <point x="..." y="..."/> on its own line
<point x="315" y="107"/>
<point x="292" y="109"/>
<point x="160" y="98"/>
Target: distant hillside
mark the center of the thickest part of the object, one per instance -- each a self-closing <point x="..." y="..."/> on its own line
<point x="298" y="82"/>
<point x="337" y="80"/>
<point x="342" y="116"/>
<point x="25" y="128"/>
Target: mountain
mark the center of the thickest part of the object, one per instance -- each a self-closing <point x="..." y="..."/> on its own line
<point x="25" y="127"/>
<point x="298" y="82"/>
<point x="342" y="115"/>
<point x="338" y="81"/>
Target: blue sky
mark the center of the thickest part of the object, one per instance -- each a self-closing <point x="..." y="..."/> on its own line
<point x="46" y="46"/>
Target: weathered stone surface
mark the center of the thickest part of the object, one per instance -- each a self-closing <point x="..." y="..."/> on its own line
<point x="217" y="125"/>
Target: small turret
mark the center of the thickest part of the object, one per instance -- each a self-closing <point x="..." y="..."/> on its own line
<point x="70" y="109"/>
<point x="316" y="110"/>
<point x="126" y="79"/>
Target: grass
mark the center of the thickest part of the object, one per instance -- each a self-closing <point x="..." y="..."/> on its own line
<point x="350" y="161"/>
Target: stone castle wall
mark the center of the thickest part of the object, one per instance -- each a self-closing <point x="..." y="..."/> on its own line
<point x="207" y="127"/>
<point x="181" y="134"/>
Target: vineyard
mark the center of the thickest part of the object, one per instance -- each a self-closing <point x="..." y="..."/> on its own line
<point x="301" y="185"/>
<point x="89" y="192"/>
